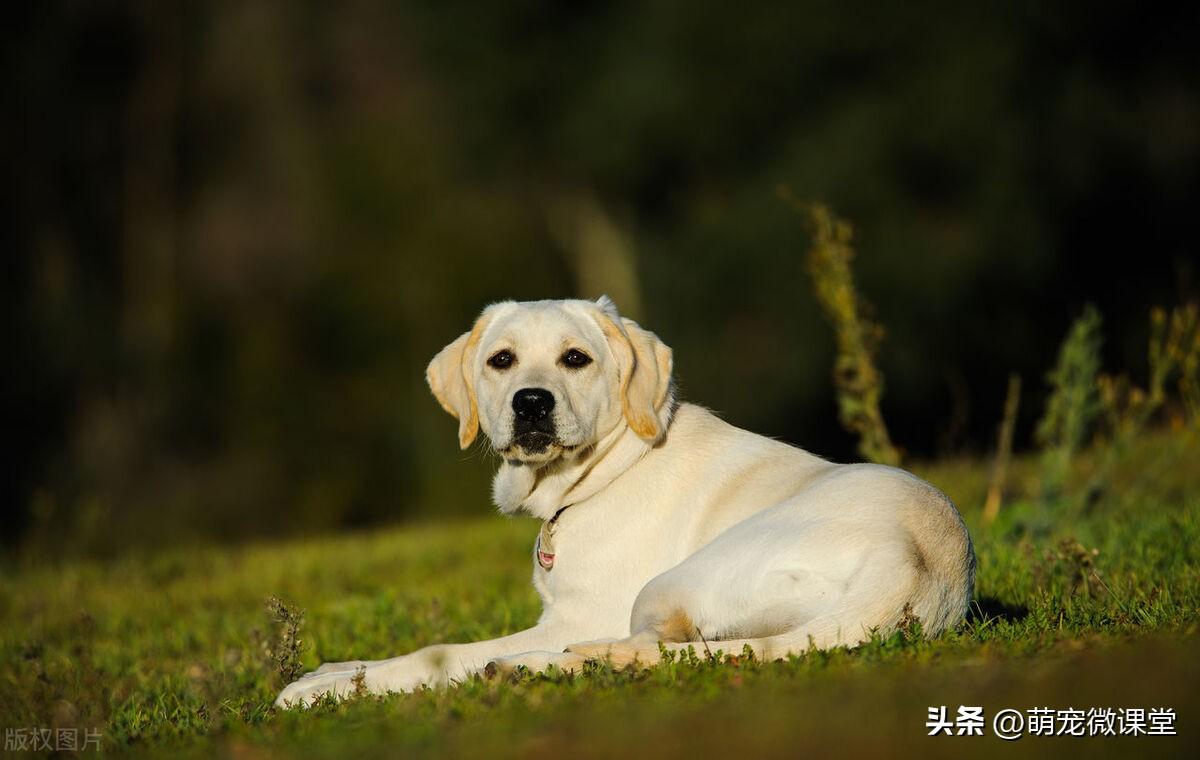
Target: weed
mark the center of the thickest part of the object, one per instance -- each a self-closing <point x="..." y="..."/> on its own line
<point x="1178" y="350"/>
<point x="909" y="628"/>
<point x="1004" y="446"/>
<point x="286" y="645"/>
<point x="1072" y="404"/>
<point x="1127" y="408"/>
<point x="858" y="382"/>
<point x="1070" y="567"/>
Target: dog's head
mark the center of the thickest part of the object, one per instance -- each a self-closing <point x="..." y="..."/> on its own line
<point x="547" y="379"/>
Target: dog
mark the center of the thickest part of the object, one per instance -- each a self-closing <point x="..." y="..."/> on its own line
<point x="663" y="526"/>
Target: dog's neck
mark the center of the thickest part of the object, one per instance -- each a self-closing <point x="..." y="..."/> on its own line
<point x="542" y="491"/>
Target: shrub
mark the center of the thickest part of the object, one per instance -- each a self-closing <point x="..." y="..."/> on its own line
<point x="1073" y="402"/>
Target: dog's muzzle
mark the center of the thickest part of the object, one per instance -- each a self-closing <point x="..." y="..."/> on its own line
<point x="533" y="424"/>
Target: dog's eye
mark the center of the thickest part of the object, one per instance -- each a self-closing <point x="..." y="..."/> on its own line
<point x="501" y="359"/>
<point x="575" y="358"/>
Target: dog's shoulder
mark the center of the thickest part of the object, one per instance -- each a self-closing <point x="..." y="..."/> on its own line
<point x="700" y="433"/>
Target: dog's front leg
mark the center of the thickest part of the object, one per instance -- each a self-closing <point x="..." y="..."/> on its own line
<point x="432" y="666"/>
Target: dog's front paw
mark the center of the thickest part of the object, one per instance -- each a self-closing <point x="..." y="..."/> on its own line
<point x="312" y="686"/>
<point x="356" y="678"/>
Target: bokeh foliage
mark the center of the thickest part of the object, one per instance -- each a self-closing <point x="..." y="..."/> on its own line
<point x="240" y="229"/>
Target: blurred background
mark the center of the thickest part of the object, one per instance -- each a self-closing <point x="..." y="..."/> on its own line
<point x="239" y="230"/>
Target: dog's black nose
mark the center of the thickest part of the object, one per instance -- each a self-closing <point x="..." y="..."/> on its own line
<point x="533" y="404"/>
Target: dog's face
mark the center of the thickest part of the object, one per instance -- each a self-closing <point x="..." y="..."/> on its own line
<point x="548" y="379"/>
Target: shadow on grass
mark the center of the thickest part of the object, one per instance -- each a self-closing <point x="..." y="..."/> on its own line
<point x="990" y="608"/>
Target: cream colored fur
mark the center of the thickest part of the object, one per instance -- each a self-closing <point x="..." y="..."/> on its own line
<point x="681" y="528"/>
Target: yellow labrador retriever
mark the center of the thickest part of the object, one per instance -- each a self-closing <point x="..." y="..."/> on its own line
<point x="662" y="523"/>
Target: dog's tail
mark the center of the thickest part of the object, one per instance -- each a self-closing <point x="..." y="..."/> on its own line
<point x="942" y="552"/>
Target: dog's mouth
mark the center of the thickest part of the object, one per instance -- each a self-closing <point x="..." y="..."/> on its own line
<point x="535" y="447"/>
<point x="535" y="441"/>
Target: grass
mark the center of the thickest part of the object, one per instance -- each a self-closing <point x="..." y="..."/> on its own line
<point x="178" y="652"/>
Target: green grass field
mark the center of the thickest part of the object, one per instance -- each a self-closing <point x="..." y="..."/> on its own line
<point x="1077" y="606"/>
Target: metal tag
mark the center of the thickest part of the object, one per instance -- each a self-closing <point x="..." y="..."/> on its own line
<point x="545" y="546"/>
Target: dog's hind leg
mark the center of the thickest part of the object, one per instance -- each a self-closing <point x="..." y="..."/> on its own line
<point x="668" y="616"/>
<point x="534" y="662"/>
<point x="647" y="648"/>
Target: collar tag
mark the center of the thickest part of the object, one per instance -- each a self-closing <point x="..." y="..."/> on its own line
<point x="544" y="549"/>
<point x="545" y="546"/>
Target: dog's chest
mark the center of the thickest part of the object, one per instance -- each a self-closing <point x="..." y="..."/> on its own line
<point x="601" y="555"/>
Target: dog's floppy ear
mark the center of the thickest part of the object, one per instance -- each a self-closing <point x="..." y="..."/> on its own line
<point x="449" y="377"/>
<point x="644" y="363"/>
